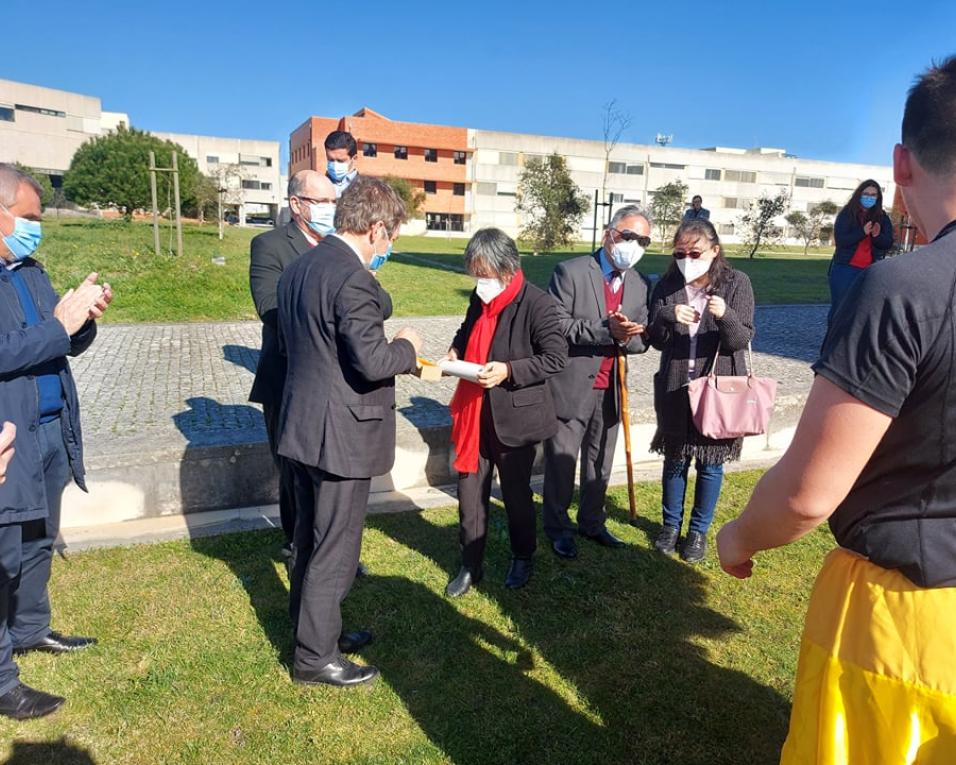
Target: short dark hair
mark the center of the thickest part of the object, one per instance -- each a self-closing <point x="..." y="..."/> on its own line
<point x="929" y="118"/>
<point x="339" y="139"/>
<point x="366" y="202"/>
<point x="696" y="197"/>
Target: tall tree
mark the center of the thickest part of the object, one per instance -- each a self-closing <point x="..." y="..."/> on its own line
<point x="758" y="222"/>
<point x="413" y="198"/>
<point x="551" y="201"/>
<point x="113" y="171"/>
<point x="667" y="206"/>
<point x="810" y="227"/>
<point x="613" y="124"/>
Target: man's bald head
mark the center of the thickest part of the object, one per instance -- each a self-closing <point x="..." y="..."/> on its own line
<point x="311" y="184"/>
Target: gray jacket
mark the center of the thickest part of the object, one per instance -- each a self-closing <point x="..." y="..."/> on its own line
<point x="22" y="349"/>
<point x="577" y="286"/>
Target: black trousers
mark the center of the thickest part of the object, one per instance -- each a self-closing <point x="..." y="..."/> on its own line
<point x="325" y="555"/>
<point x="26" y="555"/>
<point x="286" y="472"/>
<point x="594" y="438"/>
<point x="474" y="492"/>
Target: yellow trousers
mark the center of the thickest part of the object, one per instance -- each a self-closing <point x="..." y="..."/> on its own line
<point x="876" y="681"/>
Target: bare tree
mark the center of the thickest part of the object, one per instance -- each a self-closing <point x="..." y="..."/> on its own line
<point x="613" y="122"/>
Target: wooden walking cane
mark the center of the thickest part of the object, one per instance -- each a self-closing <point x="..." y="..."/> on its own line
<point x="626" y="425"/>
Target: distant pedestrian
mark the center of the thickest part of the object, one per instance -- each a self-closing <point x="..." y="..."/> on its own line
<point x="696" y="211"/>
<point x="340" y="151"/>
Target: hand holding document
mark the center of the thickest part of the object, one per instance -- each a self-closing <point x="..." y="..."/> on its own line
<point x="433" y="371"/>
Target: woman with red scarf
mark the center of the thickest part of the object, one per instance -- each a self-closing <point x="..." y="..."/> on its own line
<point x="863" y="233"/>
<point x="512" y="330"/>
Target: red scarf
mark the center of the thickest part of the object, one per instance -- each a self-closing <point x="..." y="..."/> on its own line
<point x="863" y="255"/>
<point x="466" y="403"/>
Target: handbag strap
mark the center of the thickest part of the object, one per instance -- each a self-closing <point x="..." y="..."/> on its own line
<point x="750" y="361"/>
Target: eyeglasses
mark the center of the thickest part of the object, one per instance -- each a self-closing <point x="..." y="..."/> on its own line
<point x="313" y="201"/>
<point x="693" y="254"/>
<point x="633" y="236"/>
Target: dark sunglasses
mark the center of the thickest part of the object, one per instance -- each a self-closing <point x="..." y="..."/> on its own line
<point x="680" y="255"/>
<point x="632" y="236"/>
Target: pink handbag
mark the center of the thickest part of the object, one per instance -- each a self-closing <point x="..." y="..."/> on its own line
<point x="729" y="406"/>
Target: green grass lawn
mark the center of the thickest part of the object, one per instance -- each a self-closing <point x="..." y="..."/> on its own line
<point x="623" y="656"/>
<point x="423" y="277"/>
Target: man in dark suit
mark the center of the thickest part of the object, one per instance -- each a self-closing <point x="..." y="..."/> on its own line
<point x="337" y="420"/>
<point x="312" y="205"/>
<point x="602" y="302"/>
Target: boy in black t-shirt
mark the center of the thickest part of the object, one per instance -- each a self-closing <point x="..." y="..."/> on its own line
<point x="875" y="453"/>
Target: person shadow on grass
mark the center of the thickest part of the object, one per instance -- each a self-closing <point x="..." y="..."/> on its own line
<point x="207" y="423"/>
<point x="623" y="629"/>
<point x="59" y="752"/>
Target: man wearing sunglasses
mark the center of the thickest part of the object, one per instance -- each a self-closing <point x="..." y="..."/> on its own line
<point x="602" y="303"/>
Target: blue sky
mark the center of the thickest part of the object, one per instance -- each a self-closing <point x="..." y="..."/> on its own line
<point x="823" y="80"/>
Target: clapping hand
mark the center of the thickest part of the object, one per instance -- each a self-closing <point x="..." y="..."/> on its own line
<point x="868" y="228"/>
<point x="716" y="306"/>
<point x="86" y="302"/>
<point x="875" y="231"/>
<point x="7" y="435"/>
<point x="686" y="314"/>
<point x="622" y="328"/>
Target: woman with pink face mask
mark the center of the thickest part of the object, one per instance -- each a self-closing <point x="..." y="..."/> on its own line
<point x="700" y="309"/>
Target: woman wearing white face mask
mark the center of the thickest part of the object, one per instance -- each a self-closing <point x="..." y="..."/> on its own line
<point x="699" y="306"/>
<point x="512" y="329"/>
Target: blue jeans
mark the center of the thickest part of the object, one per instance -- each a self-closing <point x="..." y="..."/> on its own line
<point x="709" y="480"/>
<point x="841" y="278"/>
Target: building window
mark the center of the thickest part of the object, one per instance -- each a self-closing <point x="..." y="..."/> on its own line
<point x="211" y="159"/>
<point x="618" y="168"/>
<point x="7" y="114"/>
<point x="431" y="155"/>
<point x="730" y="202"/>
<point x="635" y="169"/>
<point x="254" y="161"/>
<point x="459" y="189"/>
<point x="369" y="150"/>
<point x="256" y="185"/>
<point x="444" y="222"/>
<point x="507" y="158"/>
<point x="487" y="188"/>
<point x="401" y="152"/>
<point x="808" y="183"/>
<point x="38" y="110"/>
<point x="431" y="187"/>
<point x="616" y="198"/>
<point x="667" y="166"/>
<point x="726" y="229"/>
<point x="740" y="176"/>
<point x="711" y="175"/>
<point x="507" y="194"/>
<point x="460" y="157"/>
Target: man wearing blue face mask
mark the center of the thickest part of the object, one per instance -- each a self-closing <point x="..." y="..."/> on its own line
<point x="312" y="205"/>
<point x="340" y="151"/>
<point x="38" y="330"/>
<point x="602" y="303"/>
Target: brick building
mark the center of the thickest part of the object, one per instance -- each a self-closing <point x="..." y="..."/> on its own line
<point x="433" y="158"/>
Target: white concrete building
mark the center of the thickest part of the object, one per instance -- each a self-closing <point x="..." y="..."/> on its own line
<point x="248" y="169"/>
<point x="42" y="127"/>
<point x="727" y="179"/>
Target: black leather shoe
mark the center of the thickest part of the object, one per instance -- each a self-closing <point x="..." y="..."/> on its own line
<point x="25" y="703"/>
<point x="565" y="547"/>
<point x="604" y="538"/>
<point x="341" y="673"/>
<point x="362" y="570"/>
<point x="54" y="642"/>
<point x="695" y="546"/>
<point x="519" y="573"/>
<point x="666" y="541"/>
<point x="463" y="581"/>
<point x="350" y="642"/>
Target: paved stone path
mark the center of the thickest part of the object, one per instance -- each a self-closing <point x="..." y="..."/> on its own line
<point x="173" y="384"/>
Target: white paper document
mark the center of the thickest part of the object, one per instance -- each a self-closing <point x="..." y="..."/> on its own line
<point x="466" y="370"/>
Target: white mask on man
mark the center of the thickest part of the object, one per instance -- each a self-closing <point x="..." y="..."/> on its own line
<point x="488" y="289"/>
<point x="693" y="269"/>
<point x="624" y="255"/>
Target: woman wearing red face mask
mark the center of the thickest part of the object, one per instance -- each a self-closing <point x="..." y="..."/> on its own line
<point x="699" y="306"/>
<point x="863" y="233"/>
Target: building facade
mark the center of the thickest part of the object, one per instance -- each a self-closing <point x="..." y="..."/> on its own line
<point x="481" y="170"/>
<point x="434" y="159"/>
<point x="42" y="127"/>
<point x="247" y="170"/>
